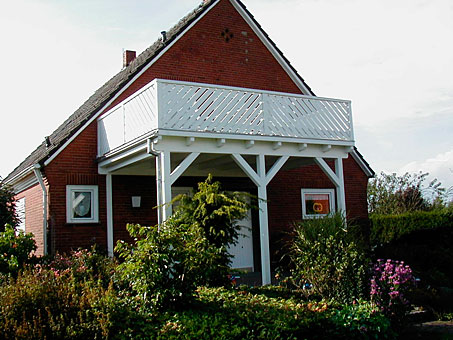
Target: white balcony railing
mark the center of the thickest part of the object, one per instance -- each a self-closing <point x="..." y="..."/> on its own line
<point x="182" y="106"/>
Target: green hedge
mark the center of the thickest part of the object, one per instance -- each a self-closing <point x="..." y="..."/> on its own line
<point x="388" y="228"/>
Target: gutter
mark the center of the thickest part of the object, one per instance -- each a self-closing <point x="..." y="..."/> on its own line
<point x="38" y="174"/>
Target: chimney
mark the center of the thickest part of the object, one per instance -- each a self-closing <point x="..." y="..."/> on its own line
<point x="128" y="57"/>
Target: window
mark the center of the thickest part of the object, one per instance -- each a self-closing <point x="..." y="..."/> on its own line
<point x="20" y="210"/>
<point x="82" y="204"/>
<point x="317" y="202"/>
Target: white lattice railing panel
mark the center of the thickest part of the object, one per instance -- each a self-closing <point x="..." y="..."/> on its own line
<point x="211" y="109"/>
<point x="182" y="106"/>
<point x="293" y="116"/>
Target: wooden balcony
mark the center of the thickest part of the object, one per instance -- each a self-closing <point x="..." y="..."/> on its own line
<point x="183" y="107"/>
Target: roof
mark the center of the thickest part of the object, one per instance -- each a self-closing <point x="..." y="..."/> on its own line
<point x="102" y="96"/>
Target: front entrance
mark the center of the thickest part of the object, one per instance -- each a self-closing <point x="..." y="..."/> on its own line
<point x="242" y="251"/>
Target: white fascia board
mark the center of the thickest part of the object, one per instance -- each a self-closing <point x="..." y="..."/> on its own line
<point x="271" y="48"/>
<point x="366" y="169"/>
<point x="124" y="88"/>
<point x="25" y="183"/>
<point x="20" y="175"/>
<point x="244" y="137"/>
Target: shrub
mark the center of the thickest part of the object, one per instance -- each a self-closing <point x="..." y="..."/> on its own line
<point x="15" y="250"/>
<point x="390" y="282"/>
<point x="388" y="228"/>
<point x="249" y="313"/>
<point x="84" y="265"/>
<point x="167" y="263"/>
<point x="325" y="258"/>
<point x="8" y="213"/>
<point x="43" y="305"/>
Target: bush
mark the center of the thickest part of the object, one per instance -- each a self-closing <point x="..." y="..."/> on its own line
<point x="390" y="282"/>
<point x="43" y="305"/>
<point x="327" y="260"/>
<point x="167" y="263"/>
<point x="84" y="265"/>
<point x="249" y="313"/>
<point x="388" y="228"/>
<point x="15" y="250"/>
<point x="8" y="213"/>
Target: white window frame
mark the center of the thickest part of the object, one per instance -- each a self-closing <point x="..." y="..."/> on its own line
<point x="330" y="192"/>
<point x="20" y="211"/>
<point x="93" y="189"/>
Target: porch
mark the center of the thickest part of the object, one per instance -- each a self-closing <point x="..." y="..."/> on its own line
<point x="173" y="130"/>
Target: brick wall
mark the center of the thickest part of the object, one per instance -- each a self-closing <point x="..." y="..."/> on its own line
<point x="34" y="214"/>
<point x="202" y="55"/>
<point x="75" y="165"/>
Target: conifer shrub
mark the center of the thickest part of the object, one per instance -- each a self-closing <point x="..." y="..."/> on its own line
<point x="166" y="263"/>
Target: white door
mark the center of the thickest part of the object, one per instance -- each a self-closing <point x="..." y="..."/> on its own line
<point x="243" y="250"/>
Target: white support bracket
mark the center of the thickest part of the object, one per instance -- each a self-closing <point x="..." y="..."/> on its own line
<point x="249" y="144"/>
<point x="221" y="142"/>
<point x="303" y="146"/>
<point x="328" y="171"/>
<point x="183" y="166"/>
<point x="242" y="163"/>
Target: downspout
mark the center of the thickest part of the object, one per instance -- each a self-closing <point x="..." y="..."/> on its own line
<point x="38" y="174"/>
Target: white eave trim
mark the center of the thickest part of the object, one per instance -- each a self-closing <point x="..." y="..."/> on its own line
<point x="294" y="77"/>
<point x="125" y="87"/>
<point x="366" y="169"/>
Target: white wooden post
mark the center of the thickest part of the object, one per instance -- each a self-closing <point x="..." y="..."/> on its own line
<point x="264" y="223"/>
<point x="109" y="199"/>
<point x="159" y="190"/>
<point x="261" y="180"/>
<point x="165" y="172"/>
<point x="341" y="199"/>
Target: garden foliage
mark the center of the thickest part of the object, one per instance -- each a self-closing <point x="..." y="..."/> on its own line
<point x="7" y="206"/>
<point x="390" y="283"/>
<point x="327" y="260"/>
<point x="393" y="194"/>
<point x="15" y="250"/>
<point x="167" y="262"/>
<point x="389" y="228"/>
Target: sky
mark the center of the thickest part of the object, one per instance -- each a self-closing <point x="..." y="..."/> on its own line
<point x="393" y="59"/>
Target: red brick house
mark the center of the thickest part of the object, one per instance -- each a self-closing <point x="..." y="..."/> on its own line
<point x="213" y="95"/>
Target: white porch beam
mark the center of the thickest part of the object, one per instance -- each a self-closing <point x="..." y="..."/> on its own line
<point x="341" y="197"/>
<point x="109" y="200"/>
<point x="328" y="171"/>
<point x="242" y="163"/>
<point x="183" y="166"/>
<point x="275" y="168"/>
<point x="129" y="161"/>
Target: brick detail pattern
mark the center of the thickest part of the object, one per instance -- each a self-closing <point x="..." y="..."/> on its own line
<point x="202" y="55"/>
<point x="34" y="214"/>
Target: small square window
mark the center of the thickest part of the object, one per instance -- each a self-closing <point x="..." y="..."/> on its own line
<point x="317" y="202"/>
<point x="82" y="204"/>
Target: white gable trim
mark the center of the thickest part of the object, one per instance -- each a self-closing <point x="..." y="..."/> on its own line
<point x="294" y="77"/>
<point x="366" y="169"/>
<point x="125" y="87"/>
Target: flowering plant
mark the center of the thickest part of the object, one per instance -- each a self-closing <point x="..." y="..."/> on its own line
<point x="390" y="281"/>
